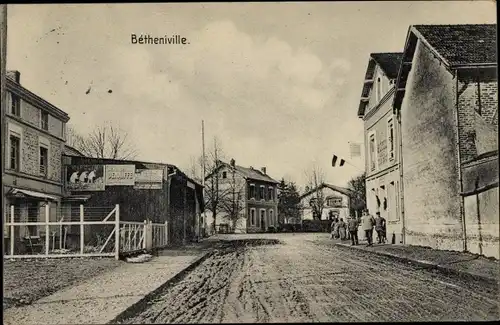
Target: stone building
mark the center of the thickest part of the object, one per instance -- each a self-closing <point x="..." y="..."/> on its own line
<point x="382" y="131"/>
<point x="446" y="94"/>
<point x="35" y="137"/>
<point x="250" y="195"/>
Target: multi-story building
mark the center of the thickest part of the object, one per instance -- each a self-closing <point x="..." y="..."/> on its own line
<point x="383" y="142"/>
<point x="35" y="137"/>
<point x="246" y="198"/>
<point x="447" y="96"/>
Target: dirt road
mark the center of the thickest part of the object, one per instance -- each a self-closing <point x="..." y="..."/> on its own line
<point x="300" y="280"/>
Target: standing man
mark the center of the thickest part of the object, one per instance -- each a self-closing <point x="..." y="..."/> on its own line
<point x="367" y="224"/>
<point x="352" y="226"/>
<point x="380" y="228"/>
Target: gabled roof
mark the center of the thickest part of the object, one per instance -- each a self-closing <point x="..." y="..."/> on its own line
<point x="247" y="173"/>
<point x="462" y="44"/>
<point x="389" y="62"/>
<point x="335" y="188"/>
<point x="456" y="46"/>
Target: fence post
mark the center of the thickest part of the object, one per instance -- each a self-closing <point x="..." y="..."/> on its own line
<point x="82" y="230"/>
<point x="166" y="234"/>
<point x="12" y="241"/>
<point x="117" y="232"/>
<point x="145" y="230"/>
<point x="47" y="228"/>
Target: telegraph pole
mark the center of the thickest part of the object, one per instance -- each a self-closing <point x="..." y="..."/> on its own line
<point x="3" y="68"/>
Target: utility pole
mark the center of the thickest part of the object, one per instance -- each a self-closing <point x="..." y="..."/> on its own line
<point x="3" y="72"/>
<point x="202" y="224"/>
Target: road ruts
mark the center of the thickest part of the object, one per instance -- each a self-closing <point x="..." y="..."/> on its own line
<point x="304" y="281"/>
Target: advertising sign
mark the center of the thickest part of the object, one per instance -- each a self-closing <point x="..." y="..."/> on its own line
<point x="120" y="175"/>
<point x="148" y="179"/>
<point x="85" y="178"/>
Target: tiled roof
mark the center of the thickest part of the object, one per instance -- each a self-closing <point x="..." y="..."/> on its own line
<point x="462" y="44"/>
<point x="339" y="189"/>
<point x="254" y="174"/>
<point x="389" y="62"/>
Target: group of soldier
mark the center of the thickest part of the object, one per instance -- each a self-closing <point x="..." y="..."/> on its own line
<point x="367" y="222"/>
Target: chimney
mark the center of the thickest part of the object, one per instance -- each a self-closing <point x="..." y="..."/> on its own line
<point x="263" y="170"/>
<point x="232" y="163"/>
<point x="14" y="75"/>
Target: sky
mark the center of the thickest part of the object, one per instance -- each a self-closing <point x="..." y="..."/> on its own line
<point x="277" y="83"/>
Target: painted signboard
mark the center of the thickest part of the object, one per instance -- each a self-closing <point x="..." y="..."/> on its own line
<point x="148" y="179"/>
<point x="120" y="175"/>
<point x="85" y="178"/>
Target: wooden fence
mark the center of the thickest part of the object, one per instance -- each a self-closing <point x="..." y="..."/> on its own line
<point x="78" y="232"/>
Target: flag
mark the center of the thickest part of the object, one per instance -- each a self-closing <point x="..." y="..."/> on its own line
<point x="355" y="149"/>
<point x="334" y="161"/>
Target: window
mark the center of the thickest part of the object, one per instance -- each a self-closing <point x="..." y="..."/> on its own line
<point x="252" y="217"/>
<point x="390" y="138"/>
<point x="262" y="218"/>
<point x="372" y="152"/>
<point x="45" y="121"/>
<point x="334" y="202"/>
<point x="262" y="193"/>
<point x="224" y="175"/>
<point x="14" y="152"/>
<point x="251" y="192"/>
<point x="379" y="89"/>
<point x="271" y="193"/>
<point x="271" y="217"/>
<point x="44" y="159"/>
<point x="15" y="105"/>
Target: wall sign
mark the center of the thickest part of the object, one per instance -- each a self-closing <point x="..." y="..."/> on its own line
<point x="120" y="175"/>
<point x="85" y="178"/>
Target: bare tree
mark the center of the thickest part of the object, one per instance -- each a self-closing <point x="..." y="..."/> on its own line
<point x="212" y="162"/>
<point x="104" y="141"/>
<point x="231" y="198"/>
<point x="195" y="170"/>
<point x="315" y="180"/>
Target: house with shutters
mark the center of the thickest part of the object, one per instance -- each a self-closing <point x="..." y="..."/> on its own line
<point x="446" y="97"/>
<point x="246" y="199"/>
<point x="382" y="133"/>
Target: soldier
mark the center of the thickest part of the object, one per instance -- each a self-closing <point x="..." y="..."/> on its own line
<point x="352" y="226"/>
<point x="367" y="223"/>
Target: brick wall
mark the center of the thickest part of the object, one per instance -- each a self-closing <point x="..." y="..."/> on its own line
<point x="429" y="140"/>
<point x="478" y="106"/>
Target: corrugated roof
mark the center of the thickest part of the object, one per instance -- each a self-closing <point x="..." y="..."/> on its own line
<point x="462" y="44"/>
<point x="389" y="62"/>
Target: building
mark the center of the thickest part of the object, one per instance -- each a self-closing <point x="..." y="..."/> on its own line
<point x="245" y="199"/>
<point x="35" y="137"/>
<point x="333" y="201"/>
<point x="447" y="96"/>
<point x="382" y="131"/>
<point x="156" y="192"/>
